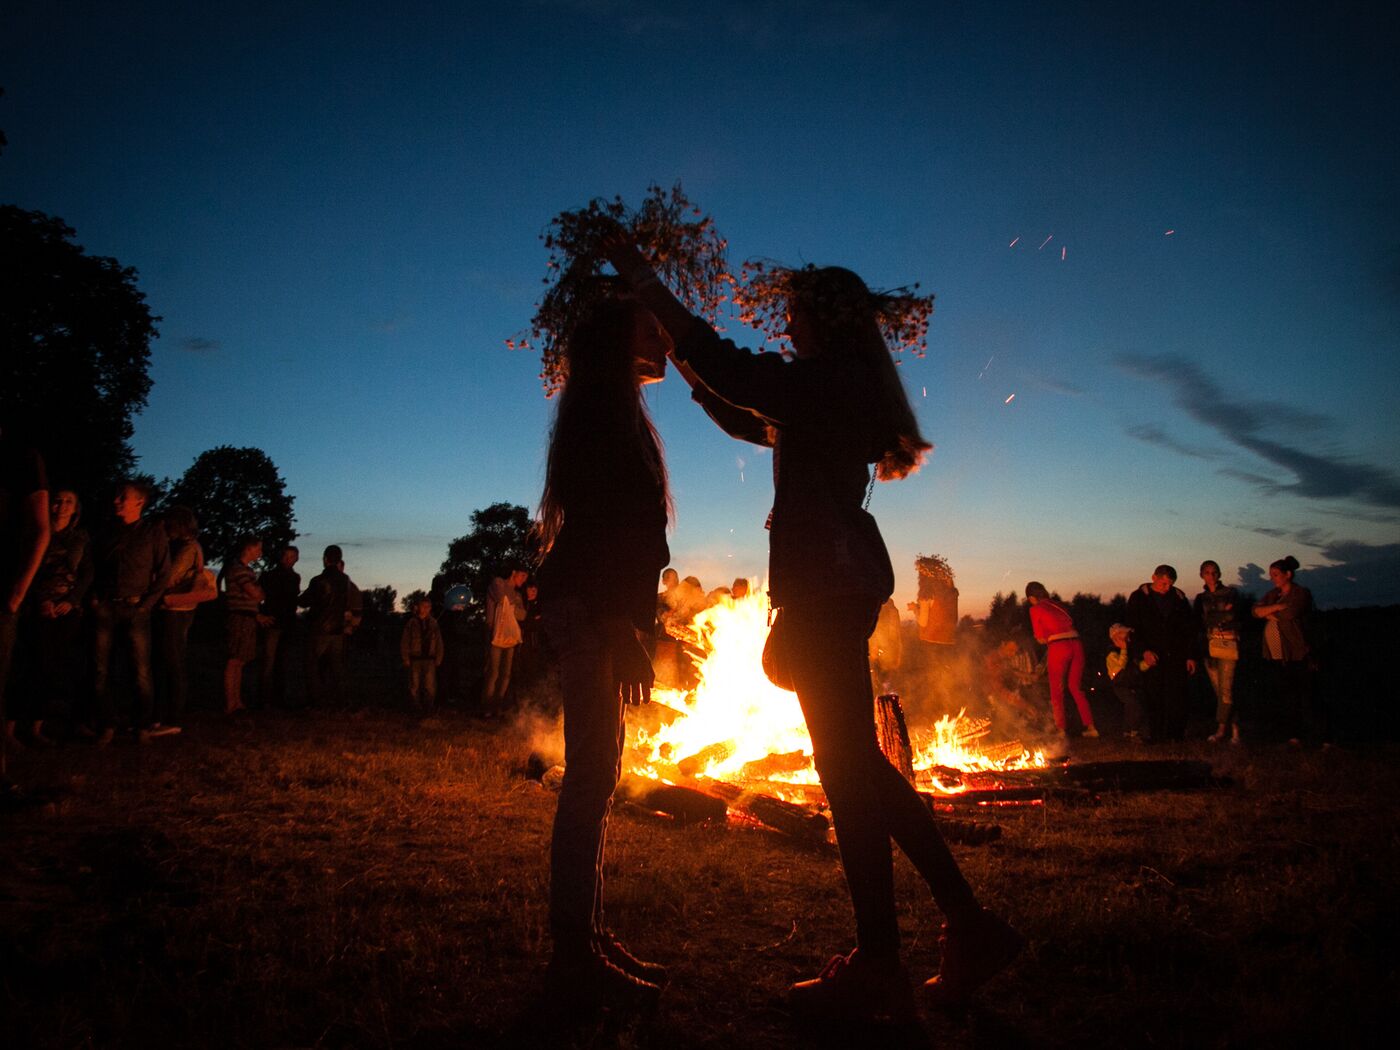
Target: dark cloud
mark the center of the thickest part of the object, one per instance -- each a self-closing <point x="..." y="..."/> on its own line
<point x="1364" y="574"/>
<point x="193" y="344"/>
<point x="1155" y="435"/>
<point x="1057" y="386"/>
<point x="1246" y="424"/>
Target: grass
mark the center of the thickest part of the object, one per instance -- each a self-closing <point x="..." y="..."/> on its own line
<point x="379" y="880"/>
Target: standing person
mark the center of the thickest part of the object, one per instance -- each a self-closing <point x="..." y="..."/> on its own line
<point x="505" y="611"/>
<point x="281" y="585"/>
<point x="24" y="538"/>
<point x="829" y="414"/>
<point x="190" y="585"/>
<point x="1285" y="611"/>
<point x="1163" y="639"/>
<point x="420" y="648"/>
<point x="57" y="595"/>
<point x="459" y="645"/>
<point x="242" y="597"/>
<point x="603" y="517"/>
<point x="1215" y="608"/>
<point x="1053" y="628"/>
<point x="132" y="562"/>
<point x="330" y="619"/>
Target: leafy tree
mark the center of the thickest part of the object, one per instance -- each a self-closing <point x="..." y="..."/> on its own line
<point x="379" y="602"/>
<point x="501" y="534"/>
<point x="235" y="492"/>
<point x="412" y="598"/>
<point x="75" y="337"/>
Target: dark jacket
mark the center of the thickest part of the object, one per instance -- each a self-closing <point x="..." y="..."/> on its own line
<point x="1218" y="610"/>
<point x="132" y="561"/>
<point x="1161" y="623"/>
<point x="328" y="598"/>
<point x="281" y="586"/>
<point x="818" y="415"/>
<point x="1292" y="621"/>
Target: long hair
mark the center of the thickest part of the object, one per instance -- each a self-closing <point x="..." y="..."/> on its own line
<point x="843" y="314"/>
<point x="601" y="398"/>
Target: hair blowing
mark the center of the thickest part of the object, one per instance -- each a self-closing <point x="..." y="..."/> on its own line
<point x="842" y="310"/>
<point x="601" y="398"/>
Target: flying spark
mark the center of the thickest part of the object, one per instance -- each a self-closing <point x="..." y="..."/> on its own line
<point x="925" y="391"/>
<point x="986" y="366"/>
<point x="1013" y="243"/>
<point x="1009" y="400"/>
<point x="1168" y="233"/>
<point x="1045" y="242"/>
<point x="1062" y="254"/>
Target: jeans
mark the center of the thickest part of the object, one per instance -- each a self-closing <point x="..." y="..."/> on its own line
<point x="593" y="738"/>
<point x="1166" y="695"/>
<point x="871" y="802"/>
<point x="111" y="619"/>
<point x="422" y="681"/>
<point x="172" y="638"/>
<point x="1222" y="679"/>
<point x="325" y="653"/>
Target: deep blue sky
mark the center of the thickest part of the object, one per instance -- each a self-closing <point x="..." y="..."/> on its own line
<point x="336" y="208"/>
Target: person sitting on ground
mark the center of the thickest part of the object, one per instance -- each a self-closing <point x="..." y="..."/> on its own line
<point x="242" y="597"/>
<point x="1126" y="675"/>
<point x="420" y="648"/>
<point x="1064" y="656"/>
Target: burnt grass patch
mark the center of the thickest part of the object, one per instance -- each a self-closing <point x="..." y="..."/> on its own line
<point x="317" y="880"/>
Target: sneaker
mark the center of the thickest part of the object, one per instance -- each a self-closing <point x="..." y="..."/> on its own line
<point x="577" y="980"/>
<point x="1218" y="736"/>
<point x="972" y="954"/>
<point x="1091" y="733"/>
<point x="1235" y="740"/>
<point x="616" y="953"/>
<point x="855" y="988"/>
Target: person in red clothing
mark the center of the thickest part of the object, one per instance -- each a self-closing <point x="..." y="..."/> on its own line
<point x="1064" y="655"/>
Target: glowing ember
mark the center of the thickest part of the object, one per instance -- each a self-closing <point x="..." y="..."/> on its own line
<point x="736" y="725"/>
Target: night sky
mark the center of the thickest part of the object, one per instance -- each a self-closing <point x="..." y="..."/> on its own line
<point x="336" y="208"/>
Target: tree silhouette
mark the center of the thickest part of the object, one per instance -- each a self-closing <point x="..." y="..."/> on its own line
<point x="235" y="492"/>
<point x="75" y="337"/>
<point x="501" y="534"/>
<point x="379" y="602"/>
<point x="412" y="598"/>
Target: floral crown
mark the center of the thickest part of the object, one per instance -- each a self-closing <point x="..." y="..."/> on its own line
<point x="679" y="240"/>
<point x="768" y="290"/>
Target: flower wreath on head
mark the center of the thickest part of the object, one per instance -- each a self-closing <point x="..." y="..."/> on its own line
<point x="767" y="290"/>
<point x="679" y="241"/>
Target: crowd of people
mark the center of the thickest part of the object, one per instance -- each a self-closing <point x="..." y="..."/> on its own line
<point x="1166" y="639"/>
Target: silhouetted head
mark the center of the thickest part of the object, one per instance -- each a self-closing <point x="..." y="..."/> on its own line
<point x="180" y="523"/>
<point x="333" y="557"/>
<point x="1035" y="591"/>
<point x="1163" y="578"/>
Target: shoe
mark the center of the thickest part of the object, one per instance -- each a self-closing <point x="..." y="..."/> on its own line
<point x="973" y="953"/>
<point x="1235" y="740"/>
<point x="1217" y="737"/>
<point x="106" y="737"/>
<point x="855" y="987"/>
<point x="586" y="980"/>
<point x="1091" y="733"/>
<point x="616" y="953"/>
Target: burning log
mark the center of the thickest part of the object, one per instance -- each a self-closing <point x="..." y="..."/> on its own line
<point x="893" y="734"/>
<point x="787" y="817"/>
<point x="771" y="765"/>
<point x="694" y="765"/>
<point x="686" y="804"/>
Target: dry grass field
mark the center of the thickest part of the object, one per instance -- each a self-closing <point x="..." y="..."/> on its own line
<point x="378" y="880"/>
